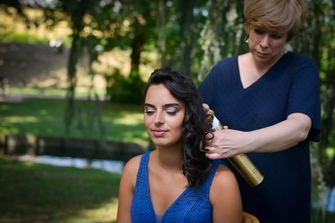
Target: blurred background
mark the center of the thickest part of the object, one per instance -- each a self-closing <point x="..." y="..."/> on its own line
<point x="72" y="74"/>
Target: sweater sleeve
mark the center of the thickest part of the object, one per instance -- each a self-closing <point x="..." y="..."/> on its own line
<point x="304" y="96"/>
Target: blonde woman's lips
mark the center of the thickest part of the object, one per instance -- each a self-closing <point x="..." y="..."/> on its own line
<point x="262" y="54"/>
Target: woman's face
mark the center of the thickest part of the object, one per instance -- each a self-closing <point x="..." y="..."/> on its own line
<point x="163" y="116"/>
<point x="267" y="47"/>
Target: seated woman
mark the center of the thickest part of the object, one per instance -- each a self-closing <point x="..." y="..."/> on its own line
<point x="176" y="182"/>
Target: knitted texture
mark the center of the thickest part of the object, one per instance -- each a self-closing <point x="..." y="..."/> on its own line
<point x="290" y="86"/>
<point x="192" y="205"/>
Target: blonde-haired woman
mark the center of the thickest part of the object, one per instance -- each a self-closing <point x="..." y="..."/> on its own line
<point x="269" y="99"/>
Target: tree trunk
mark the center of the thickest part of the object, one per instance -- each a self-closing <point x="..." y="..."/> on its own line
<point x="137" y="46"/>
<point x="77" y="19"/>
<point x="182" y="56"/>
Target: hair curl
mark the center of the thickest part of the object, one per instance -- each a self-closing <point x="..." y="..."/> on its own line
<point x="196" y="167"/>
<point x="274" y="14"/>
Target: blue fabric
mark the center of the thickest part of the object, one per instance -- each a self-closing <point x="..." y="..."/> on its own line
<point x="159" y="218"/>
<point x="192" y="205"/>
<point x="290" y="86"/>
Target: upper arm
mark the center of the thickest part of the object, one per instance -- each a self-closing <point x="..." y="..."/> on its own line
<point x="304" y="97"/>
<point x="303" y="124"/>
<point x="225" y="197"/>
<point x="127" y="187"/>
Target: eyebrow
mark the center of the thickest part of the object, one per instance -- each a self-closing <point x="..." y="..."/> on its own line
<point x="164" y="106"/>
<point x="148" y="105"/>
<point x="277" y="33"/>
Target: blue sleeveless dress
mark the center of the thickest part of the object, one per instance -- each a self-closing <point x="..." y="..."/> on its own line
<point x="192" y="205"/>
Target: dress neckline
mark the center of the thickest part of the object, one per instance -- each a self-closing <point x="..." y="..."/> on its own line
<point x="264" y="76"/>
<point x="173" y="203"/>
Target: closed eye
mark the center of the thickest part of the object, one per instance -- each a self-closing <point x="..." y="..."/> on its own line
<point x="171" y="113"/>
<point x="259" y="31"/>
<point x="172" y="109"/>
<point x="274" y="36"/>
<point x="149" y="112"/>
<point x="149" y="109"/>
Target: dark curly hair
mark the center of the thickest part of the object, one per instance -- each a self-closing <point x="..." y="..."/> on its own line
<point x="196" y="167"/>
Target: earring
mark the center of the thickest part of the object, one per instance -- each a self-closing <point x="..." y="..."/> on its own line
<point x="246" y="39"/>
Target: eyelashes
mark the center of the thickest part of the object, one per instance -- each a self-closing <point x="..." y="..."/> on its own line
<point x="170" y="112"/>
<point x="274" y="36"/>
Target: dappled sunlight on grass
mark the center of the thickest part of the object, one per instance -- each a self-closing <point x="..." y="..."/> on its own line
<point x="104" y="213"/>
<point x="129" y="119"/>
<point x="43" y="112"/>
<point x="4" y="107"/>
<point x="20" y="119"/>
<point x="46" y="117"/>
<point x="33" y="192"/>
<point x="133" y="136"/>
<point x="5" y="129"/>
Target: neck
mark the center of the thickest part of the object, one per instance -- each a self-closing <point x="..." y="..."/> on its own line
<point x="262" y="68"/>
<point x="170" y="158"/>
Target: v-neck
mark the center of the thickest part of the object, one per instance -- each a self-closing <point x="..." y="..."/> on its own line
<point x="149" y="194"/>
<point x="259" y="80"/>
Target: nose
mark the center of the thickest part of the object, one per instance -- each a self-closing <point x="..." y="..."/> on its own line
<point x="265" y="40"/>
<point x="159" y="118"/>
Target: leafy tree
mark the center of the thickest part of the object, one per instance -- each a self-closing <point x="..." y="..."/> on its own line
<point x="223" y="34"/>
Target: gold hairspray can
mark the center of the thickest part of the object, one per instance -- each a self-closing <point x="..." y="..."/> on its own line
<point x="241" y="162"/>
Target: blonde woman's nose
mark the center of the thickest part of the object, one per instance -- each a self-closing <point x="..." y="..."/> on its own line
<point x="265" y="40"/>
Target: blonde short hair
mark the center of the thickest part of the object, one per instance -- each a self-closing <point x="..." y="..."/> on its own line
<point x="274" y="14"/>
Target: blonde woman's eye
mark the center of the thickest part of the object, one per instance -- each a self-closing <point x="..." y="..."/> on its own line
<point x="276" y="36"/>
<point x="259" y="31"/>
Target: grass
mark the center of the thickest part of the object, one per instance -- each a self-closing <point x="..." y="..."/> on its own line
<point x="32" y="192"/>
<point x="48" y="91"/>
<point x="45" y="117"/>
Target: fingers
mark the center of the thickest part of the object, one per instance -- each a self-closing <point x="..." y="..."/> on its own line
<point x="209" y="137"/>
<point x="219" y="153"/>
<point x="213" y="156"/>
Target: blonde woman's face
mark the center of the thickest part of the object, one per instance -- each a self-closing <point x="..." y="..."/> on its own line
<point x="266" y="46"/>
<point x="163" y="117"/>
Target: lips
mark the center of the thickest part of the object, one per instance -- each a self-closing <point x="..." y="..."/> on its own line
<point x="159" y="132"/>
<point x="261" y="54"/>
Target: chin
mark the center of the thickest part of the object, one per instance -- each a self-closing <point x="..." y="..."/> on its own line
<point x="165" y="143"/>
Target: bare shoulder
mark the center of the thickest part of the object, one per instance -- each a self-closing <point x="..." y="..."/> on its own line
<point x="132" y="165"/>
<point x="225" y="196"/>
<point x="224" y="185"/>
<point x="126" y="189"/>
<point x="224" y="177"/>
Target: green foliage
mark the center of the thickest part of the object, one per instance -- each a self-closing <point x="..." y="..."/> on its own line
<point x="23" y="38"/>
<point x="223" y="34"/>
<point x="125" y="89"/>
